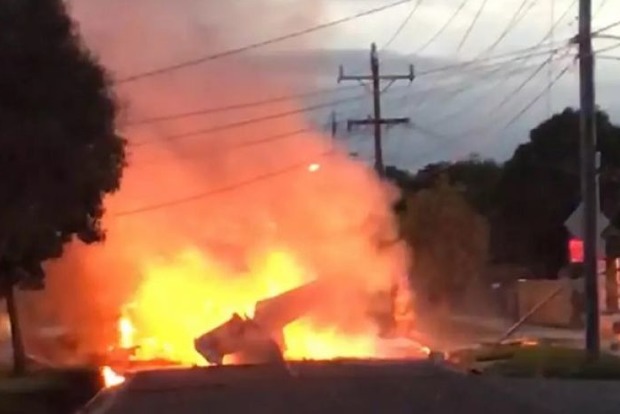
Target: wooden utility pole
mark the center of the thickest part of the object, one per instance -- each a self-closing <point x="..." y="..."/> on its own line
<point x="377" y="121"/>
<point x="334" y="125"/>
<point x="588" y="177"/>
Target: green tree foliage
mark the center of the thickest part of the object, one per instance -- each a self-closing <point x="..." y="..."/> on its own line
<point x="449" y="241"/>
<point x="59" y="151"/>
<point x="527" y="199"/>
<point x="475" y="176"/>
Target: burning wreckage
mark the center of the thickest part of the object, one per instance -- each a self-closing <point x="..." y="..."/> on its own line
<point x="260" y="339"/>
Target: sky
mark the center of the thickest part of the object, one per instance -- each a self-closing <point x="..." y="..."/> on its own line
<point x="453" y="114"/>
<point x="429" y="18"/>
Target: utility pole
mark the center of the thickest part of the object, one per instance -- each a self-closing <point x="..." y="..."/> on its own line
<point x="334" y="125"/>
<point x="377" y="121"/>
<point x="588" y="177"/>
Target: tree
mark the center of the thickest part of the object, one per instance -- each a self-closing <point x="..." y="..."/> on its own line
<point x="449" y="240"/>
<point x="539" y="189"/>
<point x="477" y="177"/>
<point x="59" y="151"/>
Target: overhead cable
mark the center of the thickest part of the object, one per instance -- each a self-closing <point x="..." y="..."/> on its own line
<point x="252" y="46"/>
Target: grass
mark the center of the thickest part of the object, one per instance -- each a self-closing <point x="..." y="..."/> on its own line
<point x="557" y="362"/>
<point x="48" y="391"/>
<point x="538" y="361"/>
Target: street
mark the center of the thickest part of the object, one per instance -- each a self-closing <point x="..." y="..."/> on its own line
<point x="337" y="387"/>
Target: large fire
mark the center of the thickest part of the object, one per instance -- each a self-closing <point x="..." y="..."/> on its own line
<point x="182" y="299"/>
<point x="225" y="236"/>
<point x="179" y="301"/>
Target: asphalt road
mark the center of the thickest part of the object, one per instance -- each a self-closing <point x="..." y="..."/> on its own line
<point x="327" y="387"/>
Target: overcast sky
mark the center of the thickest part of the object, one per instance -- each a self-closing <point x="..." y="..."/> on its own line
<point x="413" y="148"/>
<point x="454" y="113"/>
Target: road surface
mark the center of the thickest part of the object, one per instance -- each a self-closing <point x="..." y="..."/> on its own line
<point x="335" y="387"/>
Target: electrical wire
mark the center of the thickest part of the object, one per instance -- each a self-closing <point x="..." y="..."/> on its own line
<point x="521" y="12"/>
<point x="318" y="92"/>
<point x="404" y="24"/>
<point x="536" y="98"/>
<point x="238" y="106"/>
<point x="526" y="59"/>
<point x="244" y="144"/>
<point x="499" y="67"/>
<point x="608" y="48"/>
<point x="222" y="190"/>
<point x="286" y="170"/>
<point x="252" y="46"/>
<point x="523" y="84"/>
<point x="606" y="28"/>
<point x="470" y="28"/>
<point x="241" y="145"/>
<point x="245" y="122"/>
<point x="550" y="67"/>
<point x="518" y="54"/>
<point x="443" y="28"/>
<point x="258" y="103"/>
<point x="537" y="69"/>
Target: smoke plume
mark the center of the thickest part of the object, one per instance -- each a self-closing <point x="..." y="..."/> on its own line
<point x="207" y="223"/>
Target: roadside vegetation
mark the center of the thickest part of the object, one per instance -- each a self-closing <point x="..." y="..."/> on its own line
<point x="537" y="361"/>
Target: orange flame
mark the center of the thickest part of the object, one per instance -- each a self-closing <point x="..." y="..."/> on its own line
<point x="184" y="298"/>
<point x="111" y="378"/>
<point x="126" y="331"/>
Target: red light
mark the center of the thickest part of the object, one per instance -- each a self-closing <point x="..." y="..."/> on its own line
<point x="575" y="249"/>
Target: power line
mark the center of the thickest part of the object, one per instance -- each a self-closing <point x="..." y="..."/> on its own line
<point x="507" y="98"/>
<point x="604" y="57"/>
<point x="470" y="28"/>
<point x="515" y="54"/>
<point x="404" y="24"/>
<point x="276" y="137"/>
<point x="238" y="106"/>
<point x="550" y="68"/>
<point x="246" y="122"/>
<point x="523" y="84"/>
<point x="442" y="28"/>
<point x="221" y="190"/>
<point x="255" y="142"/>
<point x="608" y="48"/>
<point x="606" y="28"/>
<point x="485" y="130"/>
<point x="318" y="92"/>
<point x="258" y="103"/>
<point x="246" y="48"/>
<point x="521" y="12"/>
<point x="540" y="43"/>
<point x="501" y="66"/>
<point x="536" y="98"/>
<point x="283" y="171"/>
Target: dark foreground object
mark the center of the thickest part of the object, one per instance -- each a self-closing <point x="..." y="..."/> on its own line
<point x="49" y="391"/>
<point x="319" y="387"/>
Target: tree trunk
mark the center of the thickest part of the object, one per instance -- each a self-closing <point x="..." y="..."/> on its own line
<point x="19" y="352"/>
